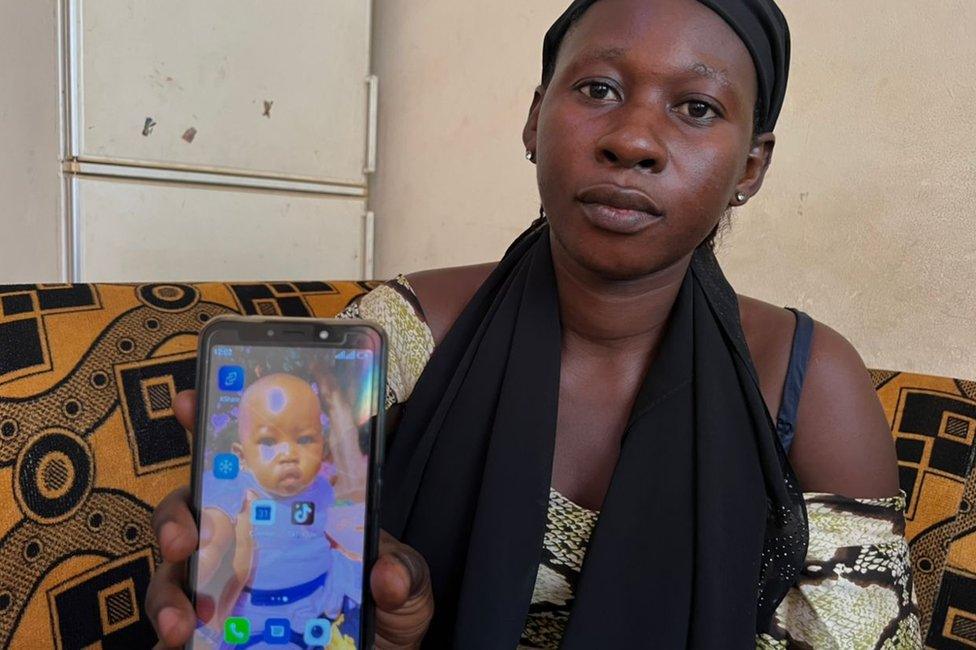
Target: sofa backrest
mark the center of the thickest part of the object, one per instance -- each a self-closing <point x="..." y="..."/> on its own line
<point x="89" y="445"/>
<point x="933" y="421"/>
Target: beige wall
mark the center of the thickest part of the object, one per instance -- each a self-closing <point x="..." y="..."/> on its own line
<point x="866" y="220"/>
<point x="30" y="177"/>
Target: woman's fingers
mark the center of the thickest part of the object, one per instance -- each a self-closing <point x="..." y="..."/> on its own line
<point x="403" y="571"/>
<point x="391" y="583"/>
<point x="175" y="527"/>
<point x="400" y="583"/>
<point x="168" y="608"/>
<point x="185" y="407"/>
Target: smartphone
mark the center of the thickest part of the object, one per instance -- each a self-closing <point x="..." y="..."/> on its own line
<point x="285" y="482"/>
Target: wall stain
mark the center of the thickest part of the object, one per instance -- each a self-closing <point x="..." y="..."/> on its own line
<point x="803" y="199"/>
<point x="147" y="128"/>
<point x="267" y="108"/>
<point x="189" y="134"/>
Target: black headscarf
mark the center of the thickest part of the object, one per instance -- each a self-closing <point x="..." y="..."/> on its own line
<point x="759" y="23"/>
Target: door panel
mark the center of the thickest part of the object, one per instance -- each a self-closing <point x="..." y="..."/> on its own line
<point x="131" y="231"/>
<point x="244" y="86"/>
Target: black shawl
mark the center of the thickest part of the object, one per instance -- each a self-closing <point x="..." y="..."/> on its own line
<point x="702" y="530"/>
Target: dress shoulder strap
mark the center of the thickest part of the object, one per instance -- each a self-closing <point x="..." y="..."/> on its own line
<point x="795" y="372"/>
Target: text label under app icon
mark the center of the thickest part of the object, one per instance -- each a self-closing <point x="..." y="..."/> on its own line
<point x="318" y="632"/>
<point x="237" y="630"/>
<point x="262" y="512"/>
<point x="303" y="513"/>
<point x="230" y="379"/>
<point x="226" y="467"/>
<point x="277" y="631"/>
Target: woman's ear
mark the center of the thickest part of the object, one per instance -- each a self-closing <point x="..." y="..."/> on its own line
<point x="760" y="156"/>
<point x="532" y="122"/>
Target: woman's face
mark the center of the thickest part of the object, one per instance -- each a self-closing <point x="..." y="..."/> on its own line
<point x="644" y="134"/>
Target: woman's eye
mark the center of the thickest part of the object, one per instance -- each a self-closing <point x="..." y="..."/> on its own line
<point x="305" y="440"/>
<point x="267" y="442"/>
<point x="698" y="110"/>
<point x="599" y="90"/>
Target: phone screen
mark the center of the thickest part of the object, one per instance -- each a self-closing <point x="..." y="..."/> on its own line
<point x="282" y="487"/>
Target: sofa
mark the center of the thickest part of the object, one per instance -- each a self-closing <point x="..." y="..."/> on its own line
<point x="89" y="445"/>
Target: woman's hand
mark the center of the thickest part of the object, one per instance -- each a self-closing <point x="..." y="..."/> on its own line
<point x="400" y="580"/>
<point x="167" y="606"/>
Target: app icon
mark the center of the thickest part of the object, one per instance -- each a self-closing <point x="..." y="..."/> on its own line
<point x="302" y="513"/>
<point x="277" y="631"/>
<point x="263" y="512"/>
<point x="318" y="632"/>
<point x="230" y="379"/>
<point x="226" y="467"/>
<point x="237" y="630"/>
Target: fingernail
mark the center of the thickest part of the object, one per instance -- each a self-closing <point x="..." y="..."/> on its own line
<point x="413" y="570"/>
<point x="168" y="534"/>
<point x="169" y="620"/>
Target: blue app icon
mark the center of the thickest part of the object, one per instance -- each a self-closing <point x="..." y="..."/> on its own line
<point x="277" y="631"/>
<point x="318" y="632"/>
<point x="230" y="379"/>
<point x="226" y="467"/>
<point x="263" y="512"/>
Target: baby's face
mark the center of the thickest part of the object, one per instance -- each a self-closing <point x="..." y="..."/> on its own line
<point x="280" y="433"/>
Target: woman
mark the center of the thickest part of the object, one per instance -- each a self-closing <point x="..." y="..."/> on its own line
<point x="602" y="390"/>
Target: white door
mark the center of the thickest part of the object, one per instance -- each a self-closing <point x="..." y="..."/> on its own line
<point x="132" y="231"/>
<point x="255" y="87"/>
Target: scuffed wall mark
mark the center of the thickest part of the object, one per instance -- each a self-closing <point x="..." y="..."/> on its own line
<point x="147" y="128"/>
<point x="267" y="108"/>
<point x="163" y="81"/>
<point x="189" y="134"/>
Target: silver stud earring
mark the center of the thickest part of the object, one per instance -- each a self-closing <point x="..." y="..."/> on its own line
<point x="529" y="156"/>
<point x="741" y="197"/>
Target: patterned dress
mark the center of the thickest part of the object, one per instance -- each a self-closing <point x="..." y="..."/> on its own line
<point x="854" y="592"/>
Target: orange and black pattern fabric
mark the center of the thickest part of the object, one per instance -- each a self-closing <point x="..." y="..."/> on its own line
<point x="933" y="421"/>
<point x="89" y="443"/>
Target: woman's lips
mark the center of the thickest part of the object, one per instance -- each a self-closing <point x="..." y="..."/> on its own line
<point x="618" y="209"/>
<point x="624" y="222"/>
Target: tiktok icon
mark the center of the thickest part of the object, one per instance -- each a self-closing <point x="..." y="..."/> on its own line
<point x="302" y="513"/>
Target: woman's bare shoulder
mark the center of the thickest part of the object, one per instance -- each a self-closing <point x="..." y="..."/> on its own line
<point x="443" y="293"/>
<point x="843" y="444"/>
<point x="769" y="334"/>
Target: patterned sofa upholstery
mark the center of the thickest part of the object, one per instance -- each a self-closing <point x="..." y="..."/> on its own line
<point x="89" y="445"/>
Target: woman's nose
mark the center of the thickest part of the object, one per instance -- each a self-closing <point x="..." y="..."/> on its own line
<point x="633" y="142"/>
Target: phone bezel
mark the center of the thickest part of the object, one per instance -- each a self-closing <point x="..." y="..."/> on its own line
<point x="252" y="330"/>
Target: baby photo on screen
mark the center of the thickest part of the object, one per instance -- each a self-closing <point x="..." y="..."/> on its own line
<point x="283" y="500"/>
